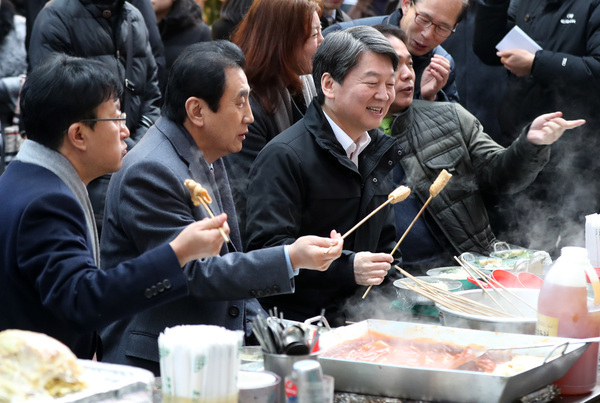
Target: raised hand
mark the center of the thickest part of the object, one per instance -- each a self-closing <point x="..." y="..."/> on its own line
<point x="434" y="77"/>
<point x="548" y="128"/>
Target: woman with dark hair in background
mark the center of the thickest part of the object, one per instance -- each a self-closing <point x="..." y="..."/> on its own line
<point x="279" y="39"/>
<point x="180" y="24"/>
<point x="232" y="13"/>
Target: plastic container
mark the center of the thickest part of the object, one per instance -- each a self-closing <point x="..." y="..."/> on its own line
<point x="565" y="311"/>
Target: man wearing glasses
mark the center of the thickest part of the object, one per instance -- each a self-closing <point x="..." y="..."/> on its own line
<point x="427" y="24"/>
<point x="50" y="276"/>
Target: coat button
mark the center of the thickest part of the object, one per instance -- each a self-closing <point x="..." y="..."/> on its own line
<point x="253" y="293"/>
<point x="374" y="180"/>
<point x="390" y="163"/>
<point x="234" y="311"/>
<point x="148" y="293"/>
<point x="160" y="287"/>
<point x="260" y="293"/>
<point x="106" y="14"/>
<point x="167" y="284"/>
<point x="276" y="289"/>
<point x="154" y="290"/>
<point x="400" y="152"/>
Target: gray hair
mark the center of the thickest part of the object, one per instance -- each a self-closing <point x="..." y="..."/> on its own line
<point x="340" y="52"/>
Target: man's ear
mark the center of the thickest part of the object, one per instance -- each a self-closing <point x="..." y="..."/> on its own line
<point x="405" y="4"/>
<point x="195" y="109"/>
<point x="327" y="83"/>
<point x="76" y="136"/>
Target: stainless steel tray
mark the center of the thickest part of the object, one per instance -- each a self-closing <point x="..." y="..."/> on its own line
<point x="442" y="385"/>
<point x="112" y="383"/>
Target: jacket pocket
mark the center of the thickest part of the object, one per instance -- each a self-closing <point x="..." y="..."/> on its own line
<point x="448" y="160"/>
<point x="142" y="345"/>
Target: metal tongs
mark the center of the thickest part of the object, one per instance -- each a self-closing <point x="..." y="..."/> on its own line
<point x="482" y="357"/>
<point x="278" y="336"/>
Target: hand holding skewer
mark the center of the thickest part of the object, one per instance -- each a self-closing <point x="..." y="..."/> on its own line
<point x="200" y="196"/>
<point x="435" y="188"/>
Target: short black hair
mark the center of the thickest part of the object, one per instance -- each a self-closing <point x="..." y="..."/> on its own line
<point x="391" y="30"/>
<point x="199" y="71"/>
<point x="61" y="91"/>
<point x="341" y="51"/>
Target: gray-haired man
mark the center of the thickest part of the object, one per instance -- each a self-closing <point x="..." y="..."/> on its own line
<point x="330" y="170"/>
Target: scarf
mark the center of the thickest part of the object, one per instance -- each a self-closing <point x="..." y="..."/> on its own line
<point x="37" y="154"/>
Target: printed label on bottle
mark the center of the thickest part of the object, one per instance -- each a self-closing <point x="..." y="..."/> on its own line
<point x="546" y="326"/>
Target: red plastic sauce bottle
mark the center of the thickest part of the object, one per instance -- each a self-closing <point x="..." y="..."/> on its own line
<point x="563" y="312"/>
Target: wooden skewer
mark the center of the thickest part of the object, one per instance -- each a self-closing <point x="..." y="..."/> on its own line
<point x="457" y="299"/>
<point x="467" y="305"/>
<point x="371" y="214"/>
<point x="399" y="194"/>
<point x="495" y="286"/>
<point x="210" y="213"/>
<point x="481" y="286"/>
<point x="434" y="190"/>
<point x="198" y="197"/>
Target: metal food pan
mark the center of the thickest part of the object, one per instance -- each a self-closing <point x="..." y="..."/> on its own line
<point x="437" y="384"/>
<point x="111" y="383"/>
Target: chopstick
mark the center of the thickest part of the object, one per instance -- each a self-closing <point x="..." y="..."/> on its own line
<point x="434" y="189"/>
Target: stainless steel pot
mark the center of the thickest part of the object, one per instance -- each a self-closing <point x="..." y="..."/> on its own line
<point x="519" y="306"/>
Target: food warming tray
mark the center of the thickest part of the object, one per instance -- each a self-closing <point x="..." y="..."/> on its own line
<point x="111" y="383"/>
<point x="442" y="385"/>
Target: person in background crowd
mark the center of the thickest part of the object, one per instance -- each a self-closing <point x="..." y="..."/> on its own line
<point x="206" y="113"/>
<point x="443" y="135"/>
<point x="368" y="8"/>
<point x="13" y="64"/>
<point x="480" y="86"/>
<point x="50" y="280"/>
<point x="333" y="13"/>
<point x="114" y="33"/>
<point x="427" y="24"/>
<point x="180" y="24"/>
<point x="331" y="169"/>
<point x="232" y="13"/>
<point x="279" y="39"/>
<point x="563" y="76"/>
<point x="33" y="7"/>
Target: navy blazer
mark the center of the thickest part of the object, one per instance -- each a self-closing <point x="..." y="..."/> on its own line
<point x="49" y="282"/>
<point x="148" y="204"/>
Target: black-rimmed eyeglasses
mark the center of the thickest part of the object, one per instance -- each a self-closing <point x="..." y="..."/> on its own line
<point x="426" y="22"/>
<point x="121" y="119"/>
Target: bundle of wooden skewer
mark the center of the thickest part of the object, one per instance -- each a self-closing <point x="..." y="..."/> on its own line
<point x="492" y="287"/>
<point x="449" y="299"/>
<point x="462" y="304"/>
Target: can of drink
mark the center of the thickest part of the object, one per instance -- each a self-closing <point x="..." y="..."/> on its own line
<point x="307" y="376"/>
